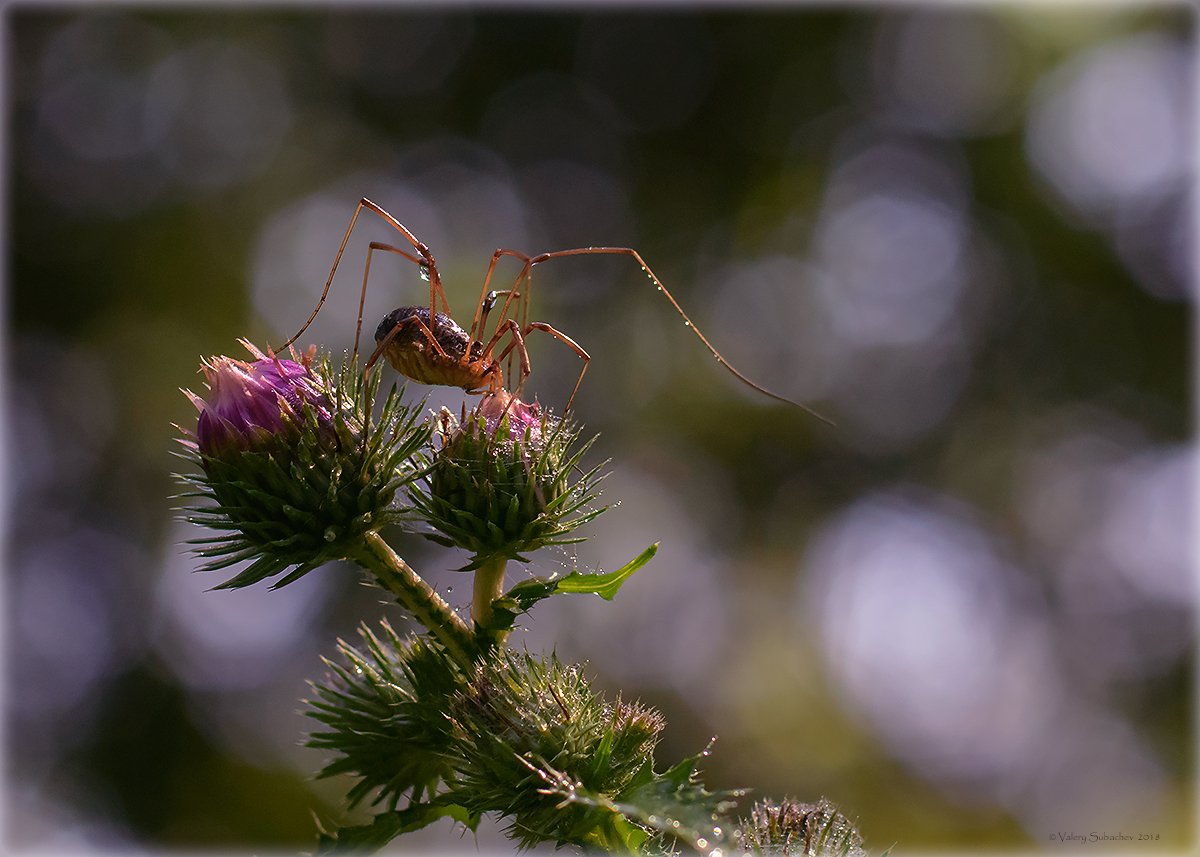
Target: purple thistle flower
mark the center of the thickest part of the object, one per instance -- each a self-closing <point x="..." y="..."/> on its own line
<point x="522" y="417"/>
<point x="248" y="402"/>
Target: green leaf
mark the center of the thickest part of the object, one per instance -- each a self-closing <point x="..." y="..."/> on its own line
<point x="605" y="585"/>
<point x="525" y="594"/>
<point x="673" y="804"/>
<point x="619" y="835"/>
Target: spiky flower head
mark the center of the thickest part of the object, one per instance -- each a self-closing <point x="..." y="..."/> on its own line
<point x="409" y="722"/>
<point x="294" y="469"/>
<point x="501" y="484"/>
<point x="524" y="723"/>
<point x="383" y="709"/>
<point x="794" y="829"/>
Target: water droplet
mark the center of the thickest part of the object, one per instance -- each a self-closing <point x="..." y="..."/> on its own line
<point x="717" y="831"/>
<point x="449" y="589"/>
<point x="675" y="824"/>
<point x="687" y="323"/>
<point x="701" y="842"/>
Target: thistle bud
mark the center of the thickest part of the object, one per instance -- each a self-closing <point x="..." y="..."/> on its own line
<point x="524" y="420"/>
<point x="522" y="716"/>
<point x="295" y="472"/>
<point x="250" y="402"/>
<point x="794" y="829"/>
<point x="500" y="485"/>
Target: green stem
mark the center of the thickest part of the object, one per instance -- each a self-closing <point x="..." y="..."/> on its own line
<point x="489" y="585"/>
<point x="419" y="598"/>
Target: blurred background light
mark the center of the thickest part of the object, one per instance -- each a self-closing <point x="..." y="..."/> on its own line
<point x="1112" y="126"/>
<point x="931" y="636"/>
<point x="1092" y="761"/>
<point x="396" y="56"/>
<point x="217" y="113"/>
<point x="228" y="640"/>
<point x="912" y="56"/>
<point x="894" y="255"/>
<point x="1111" y="516"/>
<point x="91" y="148"/>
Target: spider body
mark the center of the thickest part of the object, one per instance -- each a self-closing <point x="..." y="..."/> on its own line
<point x="406" y="339"/>
<point x="428" y="346"/>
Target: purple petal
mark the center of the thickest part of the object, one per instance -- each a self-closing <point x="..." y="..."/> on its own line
<point x="522" y="417"/>
<point x="248" y="400"/>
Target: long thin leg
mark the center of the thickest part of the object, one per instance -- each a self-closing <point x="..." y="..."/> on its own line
<point x="477" y="322"/>
<point x="629" y="251"/>
<point x="519" y="341"/>
<point x="426" y="260"/>
<point x="516" y="341"/>
<point x="521" y="291"/>
<point x="485" y="308"/>
<point x="362" y="296"/>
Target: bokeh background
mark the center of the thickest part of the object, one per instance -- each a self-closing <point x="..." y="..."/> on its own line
<point x="965" y="614"/>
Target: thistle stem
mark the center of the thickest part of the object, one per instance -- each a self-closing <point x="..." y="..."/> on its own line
<point x="489" y="585"/>
<point x="419" y="598"/>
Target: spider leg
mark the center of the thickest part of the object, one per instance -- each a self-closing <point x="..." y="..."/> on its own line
<point x="485" y="308"/>
<point x="629" y="251"/>
<point x="362" y="296"/>
<point x="520" y="292"/>
<point x="423" y="254"/>
<point x="518" y="340"/>
<point x="477" y="324"/>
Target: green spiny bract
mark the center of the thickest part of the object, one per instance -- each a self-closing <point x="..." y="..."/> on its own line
<point x="793" y="829"/>
<point x="305" y="489"/>
<point x="404" y="718"/>
<point x="385" y="713"/>
<point x="500" y="491"/>
<point x="521" y="717"/>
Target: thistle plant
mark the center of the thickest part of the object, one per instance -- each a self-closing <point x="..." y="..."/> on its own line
<point x="295" y="462"/>
<point x="501" y="486"/>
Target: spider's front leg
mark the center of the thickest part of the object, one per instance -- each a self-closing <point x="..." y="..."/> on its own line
<point x="518" y="342"/>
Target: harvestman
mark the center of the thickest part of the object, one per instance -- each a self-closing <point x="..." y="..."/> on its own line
<point x="428" y="346"/>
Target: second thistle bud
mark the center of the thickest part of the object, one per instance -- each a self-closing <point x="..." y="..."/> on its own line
<point x="500" y="485"/>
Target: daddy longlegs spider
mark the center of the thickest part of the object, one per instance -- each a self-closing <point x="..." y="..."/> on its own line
<point x="427" y="345"/>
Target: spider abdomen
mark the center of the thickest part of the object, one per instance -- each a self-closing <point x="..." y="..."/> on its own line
<point x="412" y="354"/>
